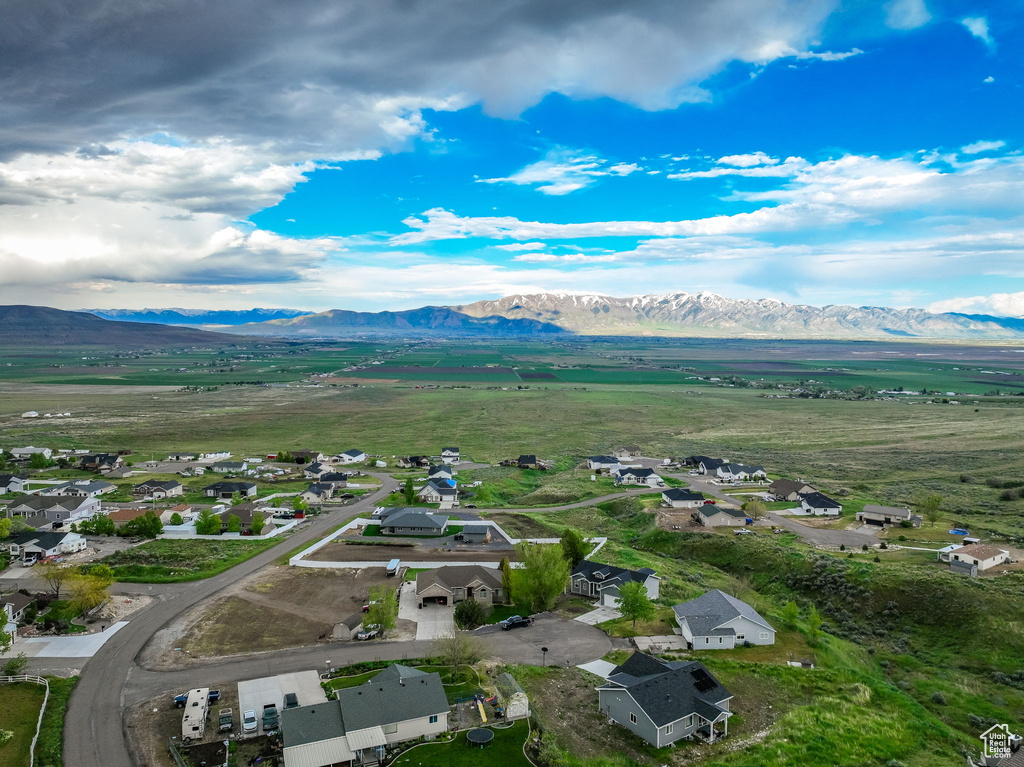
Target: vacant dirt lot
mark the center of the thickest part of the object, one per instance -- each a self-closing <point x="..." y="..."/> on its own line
<point x="341" y="551"/>
<point x="521" y="526"/>
<point x="275" y="608"/>
<point x="680" y="520"/>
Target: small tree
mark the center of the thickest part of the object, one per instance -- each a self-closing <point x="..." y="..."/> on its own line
<point x="258" y="523"/>
<point x="6" y="640"/>
<point x="236" y="498"/>
<point x="755" y="509"/>
<point x="87" y="588"/>
<point x="574" y="547"/>
<point x="928" y="507"/>
<point x="146" y="526"/>
<point x="39" y="461"/>
<point x="634" y="603"/>
<point x="543" y="575"/>
<point x="234" y="523"/>
<point x="299" y="504"/>
<point x="207" y="523"/>
<point x="457" y="648"/>
<point x="410" y="492"/>
<point x="814" y="632"/>
<point x="5" y="527"/>
<point x="383" y="610"/>
<point x="55" y="576"/>
<point x="469" y="613"/>
<point x="176" y="519"/>
<point x="19" y="525"/>
<point x="506" y="579"/>
<point x="15" y="666"/>
<point x="790" y="614"/>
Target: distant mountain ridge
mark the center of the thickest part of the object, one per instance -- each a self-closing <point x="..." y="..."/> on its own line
<point x="196" y="316"/>
<point x="428" y="320"/>
<point x="711" y="315"/>
<point x="43" y="326"/>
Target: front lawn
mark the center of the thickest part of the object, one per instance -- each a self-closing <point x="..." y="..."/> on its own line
<point x="50" y="746"/>
<point x="21" y="706"/>
<point x="505" y="750"/>
<point x="174" y="561"/>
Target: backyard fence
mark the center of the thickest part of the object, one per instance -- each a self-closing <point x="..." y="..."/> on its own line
<point x="46" y="699"/>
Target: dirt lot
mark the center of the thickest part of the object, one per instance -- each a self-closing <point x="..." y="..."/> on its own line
<point x="341" y="551"/>
<point x="150" y="724"/>
<point x="275" y="608"/>
<point x="680" y="520"/>
<point x="521" y="526"/>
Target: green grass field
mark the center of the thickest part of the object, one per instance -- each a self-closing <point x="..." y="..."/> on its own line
<point x="505" y="749"/>
<point x="171" y="561"/>
<point x="21" y="705"/>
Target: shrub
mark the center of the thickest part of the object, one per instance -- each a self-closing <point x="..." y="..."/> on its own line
<point x="1009" y="495"/>
<point x="938" y="698"/>
<point x="469" y="614"/>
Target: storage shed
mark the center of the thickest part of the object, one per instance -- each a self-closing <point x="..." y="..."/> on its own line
<point x="514" y="702"/>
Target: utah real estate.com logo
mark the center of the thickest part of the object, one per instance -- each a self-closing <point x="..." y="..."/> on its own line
<point x="996" y="740"/>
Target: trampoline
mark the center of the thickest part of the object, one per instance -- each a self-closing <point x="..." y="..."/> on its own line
<point x="479" y="737"/>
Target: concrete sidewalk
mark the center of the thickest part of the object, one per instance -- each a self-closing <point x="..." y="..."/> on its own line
<point x="65" y="647"/>
<point x="599" y="615"/>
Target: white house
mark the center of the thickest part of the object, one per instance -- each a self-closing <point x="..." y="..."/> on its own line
<point x="717" y="621"/>
<point x="38" y="545"/>
<point x="819" y="504"/>
<point x="598" y="462"/>
<point x="449" y="455"/>
<point x="28" y="452"/>
<point x="440" y="491"/>
<point x="439" y="472"/>
<point x="81" y="488"/>
<point x="978" y="555"/>
<point x="711" y="515"/>
<point x="351" y="456"/>
<point x="737" y="471"/>
<point x="631" y="476"/>
<point x="11" y="483"/>
<point x="679" y="498"/>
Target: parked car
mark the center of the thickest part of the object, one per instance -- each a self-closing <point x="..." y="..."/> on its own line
<point x="291" y="700"/>
<point x="180" y="700"/>
<point x="470" y="505"/>
<point x="745" y="531"/>
<point x="710" y="502"/>
<point x="249" y="721"/>
<point x="224" y="718"/>
<point x="368" y="632"/>
<point x="28" y="562"/>
<point x="515" y="622"/>
<point x="269" y="717"/>
<point x="213" y="696"/>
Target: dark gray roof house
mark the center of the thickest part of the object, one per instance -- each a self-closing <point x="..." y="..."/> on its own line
<point x="666" y="701"/>
<point x="819" y="503"/>
<point x="412" y="521"/>
<point x="227" y="489"/>
<point x="593" y="579"/>
<point x="677" y="496"/>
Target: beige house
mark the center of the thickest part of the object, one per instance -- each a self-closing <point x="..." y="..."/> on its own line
<point x="719" y="516"/>
<point x="456" y="583"/>
<point x="979" y="555"/>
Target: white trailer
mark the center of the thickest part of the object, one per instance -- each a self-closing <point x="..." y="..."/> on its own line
<point x="193" y="721"/>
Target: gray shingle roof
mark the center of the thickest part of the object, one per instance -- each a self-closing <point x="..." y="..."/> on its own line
<point x="309" y="724"/>
<point x="889" y="511"/>
<point x="476" y="529"/>
<point x="416" y="518"/>
<point x="710" y="511"/>
<point x="667" y="692"/>
<point x="713" y="608"/>
<point x="457" y="576"/>
<point x="45" y="541"/>
<point x="820" y="501"/>
<point x="679" y="494"/>
<point x="609" y="575"/>
<point x="377" y="703"/>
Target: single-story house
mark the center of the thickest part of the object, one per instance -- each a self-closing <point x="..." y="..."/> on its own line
<point x="739" y="471"/>
<point x="978" y="555"/>
<point x="476" y="533"/>
<point x="789" y="489"/>
<point x="438" y="491"/>
<point x="119" y="473"/>
<point x="56" y="508"/>
<point x="598" y="462"/>
<point x="399" y="704"/>
<point x="718" y="621"/>
<point x="315" y="470"/>
<point x="630" y="476"/>
<point x="229" y="467"/>
<point x="81" y="488"/>
<point x="40" y="545"/>
<point x="449" y="455"/>
<point x="665" y="701"/>
<point x="41" y="523"/>
<point x="439" y="472"/>
<point x="181" y="457"/>
<point x="679" y="498"/>
<point x="414" y="461"/>
<point x="335" y="479"/>
<point x="219" y="455"/>
<point x="11" y="483"/>
<point x="595" y="580"/>
<point x="710" y="515"/>
<point x="159" y="489"/>
<point x="317" y="493"/>
<point x="351" y="456"/>
<point x="14" y="606"/>
<point x="705" y="465"/>
<point x="227" y="489"/>
<point x="28" y="452"/>
<point x="628" y="451"/>
<point x="101" y="462"/>
<point x="412" y="521"/>
<point x="820" y="504"/>
<point x="873" y="514"/>
<point x="456" y="583"/>
<point x="121" y="517"/>
<point x="307" y="456"/>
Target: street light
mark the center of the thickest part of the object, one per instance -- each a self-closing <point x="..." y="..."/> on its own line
<point x="544" y="650"/>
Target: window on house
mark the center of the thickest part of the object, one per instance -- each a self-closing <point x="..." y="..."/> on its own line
<point x="689" y="720"/>
<point x="668" y="729"/>
<point x="764" y="635"/>
<point x="632" y="718"/>
<point x="390" y="729"/>
<point x="719" y="640"/>
<point x="741" y="637"/>
<point x="433" y="719"/>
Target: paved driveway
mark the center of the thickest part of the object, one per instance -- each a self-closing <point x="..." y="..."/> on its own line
<point x="434" y="621"/>
<point x="599" y="615"/>
<point x="66" y="647"/>
<point x="601" y="668"/>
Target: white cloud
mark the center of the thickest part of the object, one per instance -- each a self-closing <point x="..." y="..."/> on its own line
<point x="747" y="160"/>
<point x="998" y="304"/>
<point x="515" y="246"/>
<point x="569" y="258"/>
<point x="978" y="26"/>
<point x="989" y="79"/>
<point x="786" y="169"/>
<point x="562" y="171"/>
<point x="982" y="146"/>
<point x="906" y="14"/>
<point x="829" y="55"/>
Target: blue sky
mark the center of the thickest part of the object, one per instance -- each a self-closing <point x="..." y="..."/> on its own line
<point x="810" y="151"/>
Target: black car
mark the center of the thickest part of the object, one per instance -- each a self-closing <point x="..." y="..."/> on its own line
<point x="515" y="622"/>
